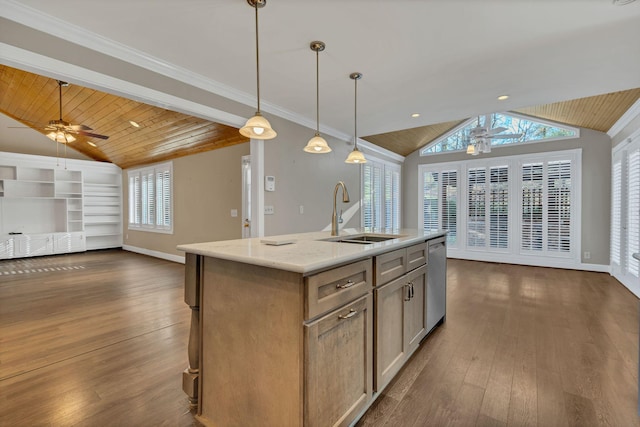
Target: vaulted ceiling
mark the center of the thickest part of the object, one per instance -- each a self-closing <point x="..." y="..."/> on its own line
<point x="161" y="134"/>
<point x="444" y="59"/>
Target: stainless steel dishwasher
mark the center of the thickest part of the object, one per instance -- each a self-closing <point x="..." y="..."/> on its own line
<point x="436" y="282"/>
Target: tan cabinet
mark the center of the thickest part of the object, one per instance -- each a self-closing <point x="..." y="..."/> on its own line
<point x="400" y="302"/>
<point x="400" y="323"/>
<point x="281" y="349"/>
<point x="338" y="372"/>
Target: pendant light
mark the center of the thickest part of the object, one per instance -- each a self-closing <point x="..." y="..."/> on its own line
<point x="356" y="156"/>
<point x="317" y="144"/>
<point x="258" y="127"/>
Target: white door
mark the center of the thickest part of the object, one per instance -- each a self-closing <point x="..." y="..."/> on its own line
<point x="625" y="214"/>
<point x="246" y="197"/>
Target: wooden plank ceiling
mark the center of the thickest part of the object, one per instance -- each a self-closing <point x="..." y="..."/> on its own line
<point x="594" y="112"/>
<point x="34" y="100"/>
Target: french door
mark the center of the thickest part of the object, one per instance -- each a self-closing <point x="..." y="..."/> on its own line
<point x="625" y="215"/>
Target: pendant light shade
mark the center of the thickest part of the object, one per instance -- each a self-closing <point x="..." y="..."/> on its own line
<point x="317" y="144"/>
<point x="356" y="156"/>
<point x="257" y="127"/>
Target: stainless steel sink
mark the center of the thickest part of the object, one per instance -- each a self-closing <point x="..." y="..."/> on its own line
<point x="363" y="239"/>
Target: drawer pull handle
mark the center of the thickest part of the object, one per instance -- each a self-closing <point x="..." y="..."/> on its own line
<point x="352" y="313"/>
<point x="349" y="284"/>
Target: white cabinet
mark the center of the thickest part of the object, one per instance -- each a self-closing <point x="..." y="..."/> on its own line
<point x="68" y="242"/>
<point x="78" y="207"/>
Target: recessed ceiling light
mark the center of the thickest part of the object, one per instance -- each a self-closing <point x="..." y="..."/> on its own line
<point x="503" y="97"/>
<point x="91" y="144"/>
<point x="134" y="124"/>
<point x="414" y="115"/>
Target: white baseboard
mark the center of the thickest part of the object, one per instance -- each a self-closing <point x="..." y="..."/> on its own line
<point x="156" y="254"/>
<point x="532" y="261"/>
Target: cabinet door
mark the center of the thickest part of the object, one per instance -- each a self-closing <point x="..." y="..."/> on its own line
<point x="416" y="309"/>
<point x="36" y="245"/>
<point x="338" y="357"/>
<point x="391" y="346"/>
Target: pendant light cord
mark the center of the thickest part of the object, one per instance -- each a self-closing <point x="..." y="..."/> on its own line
<point x="355" y="114"/>
<point x="257" y="57"/>
<point x="317" y="92"/>
<point x="60" y="98"/>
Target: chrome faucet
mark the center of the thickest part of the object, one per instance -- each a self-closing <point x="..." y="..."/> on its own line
<point x="345" y="199"/>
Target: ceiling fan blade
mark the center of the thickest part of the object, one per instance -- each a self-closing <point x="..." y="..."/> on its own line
<point x="487" y="121"/>
<point x="91" y="135"/>
<point x="496" y="130"/>
<point x="506" y="136"/>
<point x="79" y="127"/>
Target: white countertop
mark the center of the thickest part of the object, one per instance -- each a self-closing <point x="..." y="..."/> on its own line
<point x="309" y="252"/>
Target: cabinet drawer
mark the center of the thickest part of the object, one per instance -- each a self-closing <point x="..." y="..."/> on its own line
<point x="390" y="265"/>
<point x="416" y="256"/>
<point x="332" y="288"/>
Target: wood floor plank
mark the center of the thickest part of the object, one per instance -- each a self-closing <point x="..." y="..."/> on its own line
<point x="99" y="339"/>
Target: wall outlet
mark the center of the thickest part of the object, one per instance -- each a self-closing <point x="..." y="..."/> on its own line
<point x="587" y="255"/>
<point x="301" y="209"/>
<point x="234" y="213"/>
<point x="269" y="210"/>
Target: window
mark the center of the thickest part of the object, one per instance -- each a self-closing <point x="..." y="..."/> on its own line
<point x="380" y="195"/>
<point x="150" y="198"/>
<point x="525" y="129"/>
<point x="522" y="207"/>
<point x="439" y="193"/>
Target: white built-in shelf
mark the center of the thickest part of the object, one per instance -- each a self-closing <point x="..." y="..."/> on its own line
<point x="41" y="198"/>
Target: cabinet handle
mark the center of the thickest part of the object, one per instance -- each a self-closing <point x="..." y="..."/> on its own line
<point x="408" y="298"/>
<point x="349" y="284"/>
<point x="352" y="313"/>
<point x="412" y="290"/>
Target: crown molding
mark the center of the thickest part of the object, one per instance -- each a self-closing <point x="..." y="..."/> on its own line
<point x="625" y="119"/>
<point x="59" y="28"/>
<point x="33" y="62"/>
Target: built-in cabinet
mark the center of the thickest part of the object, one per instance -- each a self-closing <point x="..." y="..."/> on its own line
<point x="400" y="309"/>
<point x="275" y="347"/>
<point x="49" y="208"/>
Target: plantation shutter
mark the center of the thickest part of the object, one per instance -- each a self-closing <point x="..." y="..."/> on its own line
<point x="163" y="199"/>
<point x="150" y="198"/>
<point x="532" y="209"/>
<point x="449" y="191"/>
<point x="499" y="207"/>
<point x="372" y="194"/>
<point x="559" y="206"/>
<point x="430" y="199"/>
<point x="633" y="212"/>
<point x="476" y="205"/>
<point x="380" y="195"/>
<point x="391" y="198"/>
<point x="616" y="212"/>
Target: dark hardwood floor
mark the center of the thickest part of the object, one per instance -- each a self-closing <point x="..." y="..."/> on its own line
<point x="99" y="339"/>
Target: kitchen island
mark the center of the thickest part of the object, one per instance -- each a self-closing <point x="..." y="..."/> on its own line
<point x="307" y="329"/>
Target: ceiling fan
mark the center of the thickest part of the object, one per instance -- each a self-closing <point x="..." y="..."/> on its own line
<point x="480" y="137"/>
<point x="63" y="131"/>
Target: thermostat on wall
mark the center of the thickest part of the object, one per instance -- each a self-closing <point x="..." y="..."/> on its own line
<point x="269" y="183"/>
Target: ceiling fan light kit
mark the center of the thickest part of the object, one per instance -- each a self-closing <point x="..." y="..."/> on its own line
<point x="61" y="131"/>
<point x="481" y="136"/>
<point x="258" y="127"/>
